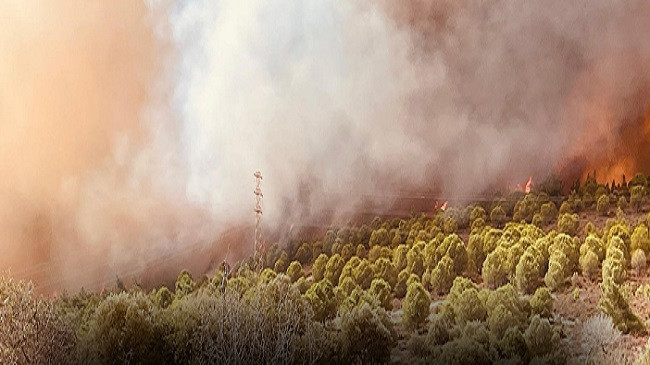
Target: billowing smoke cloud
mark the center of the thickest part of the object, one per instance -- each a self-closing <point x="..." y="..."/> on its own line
<point x="129" y="132"/>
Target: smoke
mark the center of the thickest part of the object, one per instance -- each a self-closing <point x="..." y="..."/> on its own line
<point x="129" y="131"/>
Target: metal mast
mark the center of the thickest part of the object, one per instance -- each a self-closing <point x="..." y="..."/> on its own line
<point x="259" y="243"/>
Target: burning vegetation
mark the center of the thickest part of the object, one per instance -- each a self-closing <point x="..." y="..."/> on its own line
<point x="446" y="181"/>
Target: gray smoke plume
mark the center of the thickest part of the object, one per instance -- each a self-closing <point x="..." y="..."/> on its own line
<point x="129" y="131"/>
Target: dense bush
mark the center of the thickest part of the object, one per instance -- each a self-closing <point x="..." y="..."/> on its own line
<point x="367" y="335"/>
<point x="602" y="206"/>
<point x="528" y="273"/>
<point x="318" y="268"/>
<point x="613" y="303"/>
<point x="495" y="269"/>
<point x="568" y="223"/>
<point x="415" y="306"/>
<point x="541" y="303"/>
<point x="442" y="276"/>
<point x="31" y="330"/>
<point x="322" y="300"/>
<point x="498" y="216"/>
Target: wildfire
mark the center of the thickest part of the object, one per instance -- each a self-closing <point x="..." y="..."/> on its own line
<point x="529" y="185"/>
<point x="443" y="207"/>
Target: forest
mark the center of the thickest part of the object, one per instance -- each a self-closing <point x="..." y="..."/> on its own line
<point x="526" y="278"/>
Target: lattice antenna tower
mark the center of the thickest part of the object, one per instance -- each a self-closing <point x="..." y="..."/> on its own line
<point x="259" y="241"/>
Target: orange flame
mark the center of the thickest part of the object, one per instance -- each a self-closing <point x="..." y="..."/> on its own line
<point x="444" y="206"/>
<point x="529" y="185"/>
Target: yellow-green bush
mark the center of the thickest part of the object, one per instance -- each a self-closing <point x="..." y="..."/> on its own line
<point x="384" y="269"/>
<point x="368" y="335"/>
<point x="379" y="238"/>
<point x="556" y="274"/>
<point x="541" y="303"/>
<point x="640" y="239"/>
<point x="498" y="216"/>
<point x="589" y="264"/>
<point x="540" y="337"/>
<point x="318" y="268"/>
<point x="568" y="223"/>
<point x="638" y="260"/>
<point x="443" y="275"/>
<point x="528" y="273"/>
<point x="295" y="271"/>
<point x="333" y="268"/>
<point x="602" y="205"/>
<point x="400" y="287"/>
<point x="322" y="300"/>
<point x="415" y="306"/>
<point x="614" y="267"/>
<point x="613" y="303"/>
<point x="495" y="268"/>
<point x="399" y="257"/>
<point x="381" y="292"/>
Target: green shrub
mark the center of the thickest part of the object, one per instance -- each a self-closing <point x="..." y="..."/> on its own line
<point x="505" y="309"/>
<point x="361" y="251"/>
<point x="565" y="208"/>
<point x="381" y="293"/>
<point x="640" y="239"/>
<point x="469" y="307"/>
<point x="322" y="300"/>
<point x="528" y="273"/>
<point x="443" y="275"/>
<point x="363" y="274"/>
<point x="368" y="336"/>
<point x="568" y="223"/>
<point x="589" y="264"/>
<point x="637" y="196"/>
<point x="541" y="303"/>
<point x="282" y="263"/>
<point x="399" y="257"/>
<point x="400" y="287"/>
<point x="348" y="251"/>
<point x="477" y="213"/>
<point x="602" y="205"/>
<point x="333" y="268"/>
<point x="295" y="271"/>
<point x="415" y="261"/>
<point x="184" y="284"/>
<point x="415" y="306"/>
<point x="304" y="253"/>
<point x="622" y="203"/>
<point x="638" y="260"/>
<point x="384" y="269"/>
<point x="377" y="252"/>
<point x="123" y="329"/>
<point x="498" y="216"/>
<point x="379" y="238"/>
<point x="613" y="303"/>
<point x="557" y="265"/>
<point x="595" y="245"/>
<point x="613" y="266"/>
<point x="548" y="212"/>
<point x="495" y="268"/>
<point x="540" y="337"/>
<point x="318" y="268"/>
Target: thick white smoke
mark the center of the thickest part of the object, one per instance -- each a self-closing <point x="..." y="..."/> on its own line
<point x="130" y="131"/>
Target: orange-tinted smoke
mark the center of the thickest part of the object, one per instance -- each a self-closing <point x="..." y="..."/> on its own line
<point x="74" y="78"/>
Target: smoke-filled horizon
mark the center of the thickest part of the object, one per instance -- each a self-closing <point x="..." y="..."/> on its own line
<point x="130" y="130"/>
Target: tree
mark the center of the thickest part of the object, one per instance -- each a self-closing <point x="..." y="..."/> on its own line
<point x="322" y="300"/>
<point x="637" y="196"/>
<point x="295" y="272"/>
<point x="368" y="335"/>
<point x="495" y="268"/>
<point x="602" y="205"/>
<point x="415" y="306"/>
<point x="498" y="216"/>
